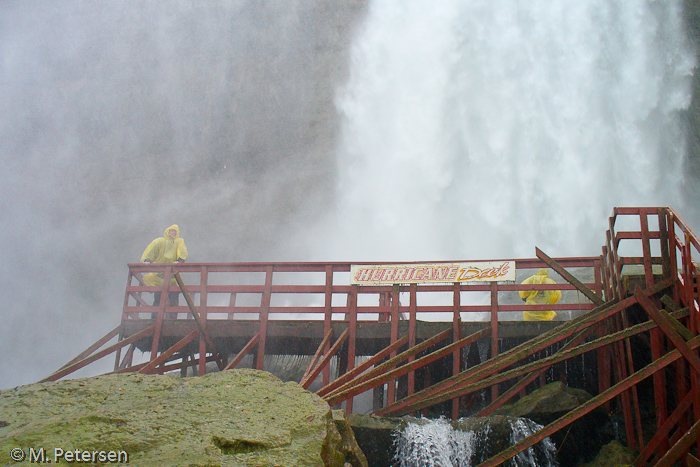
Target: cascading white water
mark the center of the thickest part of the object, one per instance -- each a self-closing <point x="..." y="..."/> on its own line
<point x="435" y="443"/>
<point x="522" y="428"/>
<point x="483" y="128"/>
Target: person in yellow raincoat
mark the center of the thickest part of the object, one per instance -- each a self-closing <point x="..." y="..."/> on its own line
<point x="170" y="248"/>
<point x="540" y="297"/>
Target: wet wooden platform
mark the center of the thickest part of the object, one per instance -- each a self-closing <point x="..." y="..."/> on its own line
<point x="304" y="337"/>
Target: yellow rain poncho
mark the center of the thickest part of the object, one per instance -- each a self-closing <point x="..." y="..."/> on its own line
<point x="164" y="249"/>
<point x="540" y="297"/>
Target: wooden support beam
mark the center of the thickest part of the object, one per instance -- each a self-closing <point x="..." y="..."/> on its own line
<point x="412" y="318"/>
<point x="126" y="361"/>
<point x="102" y="341"/>
<point x="633" y="391"/>
<point x="620" y="372"/>
<point x="363" y="366"/>
<point x="646" y="250"/>
<point x="203" y="343"/>
<point x="528" y="369"/>
<point x="515" y="389"/>
<point x="130" y="369"/>
<point x="664" y="240"/>
<point x="569" y="277"/>
<point x="522" y="351"/>
<point x="243" y="352"/>
<point x="328" y="317"/>
<point x="395" y="304"/>
<point x="263" y="316"/>
<point x="392" y="362"/>
<point x="164" y="356"/>
<point x="404" y="369"/>
<point x="162" y="369"/>
<point x="531" y="369"/>
<point x="692" y="461"/>
<point x="681" y="447"/>
<point x="588" y="407"/>
<point x="319" y="352"/>
<point x="669" y="330"/>
<point x="662" y="433"/>
<point x="677" y="325"/>
<point x="494" y="332"/>
<point x="456" y="335"/>
<point x="306" y="382"/>
<point x="201" y="324"/>
<point x="86" y="361"/>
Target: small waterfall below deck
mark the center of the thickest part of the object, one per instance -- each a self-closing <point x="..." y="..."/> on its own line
<point x="468" y="442"/>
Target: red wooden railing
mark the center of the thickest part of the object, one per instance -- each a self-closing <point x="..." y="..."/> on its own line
<point x="648" y="252"/>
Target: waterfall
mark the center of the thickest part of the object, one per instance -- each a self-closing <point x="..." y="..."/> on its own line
<point x="437" y="443"/>
<point x="434" y="444"/>
<point x="483" y="128"/>
<point x="522" y="428"/>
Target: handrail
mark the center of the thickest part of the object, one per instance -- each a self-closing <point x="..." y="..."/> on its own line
<point x="675" y="240"/>
<point x="296" y="289"/>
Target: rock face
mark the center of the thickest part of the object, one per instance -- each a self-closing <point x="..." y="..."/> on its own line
<point x="232" y="418"/>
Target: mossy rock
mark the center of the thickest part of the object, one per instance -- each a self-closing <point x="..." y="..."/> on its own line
<point x="613" y="454"/>
<point x="231" y="418"/>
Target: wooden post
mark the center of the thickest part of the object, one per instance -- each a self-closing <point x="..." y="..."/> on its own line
<point x="412" y="334"/>
<point x="352" y="336"/>
<point x="391" y="391"/>
<point x="203" y="280"/>
<point x="328" y="318"/>
<point x="646" y="250"/>
<point x="494" y="332"/>
<point x="456" y="335"/>
<point x="264" y="314"/>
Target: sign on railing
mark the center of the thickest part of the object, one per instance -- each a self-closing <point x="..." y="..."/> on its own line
<point x="432" y="273"/>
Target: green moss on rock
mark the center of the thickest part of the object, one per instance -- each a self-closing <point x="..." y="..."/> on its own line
<point x="232" y="418"/>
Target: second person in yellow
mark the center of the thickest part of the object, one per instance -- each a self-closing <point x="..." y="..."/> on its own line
<point x="540" y="297"/>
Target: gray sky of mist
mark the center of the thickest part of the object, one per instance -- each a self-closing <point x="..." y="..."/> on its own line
<point x="121" y="117"/>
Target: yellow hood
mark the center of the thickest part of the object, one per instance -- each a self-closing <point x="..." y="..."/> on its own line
<point x="174" y="226"/>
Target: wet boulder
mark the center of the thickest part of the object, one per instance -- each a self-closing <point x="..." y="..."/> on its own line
<point x="375" y="436"/>
<point x="613" y="454"/>
<point x="231" y="418"/>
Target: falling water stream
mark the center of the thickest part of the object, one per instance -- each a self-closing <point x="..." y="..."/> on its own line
<point x="483" y="128"/>
<point x="436" y="443"/>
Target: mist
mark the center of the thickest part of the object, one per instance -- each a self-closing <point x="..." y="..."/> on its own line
<point x="121" y="118"/>
<point x="317" y="131"/>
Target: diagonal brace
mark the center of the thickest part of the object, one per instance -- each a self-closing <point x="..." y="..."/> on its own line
<point x="306" y="382"/>
<point x="668" y="329"/>
<point x="569" y="277"/>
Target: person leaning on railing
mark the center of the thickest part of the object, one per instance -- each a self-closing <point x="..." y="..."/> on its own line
<point x="170" y="248"/>
<point x="540" y="297"/>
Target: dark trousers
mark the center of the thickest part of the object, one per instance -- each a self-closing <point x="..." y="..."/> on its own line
<point x="173" y="300"/>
